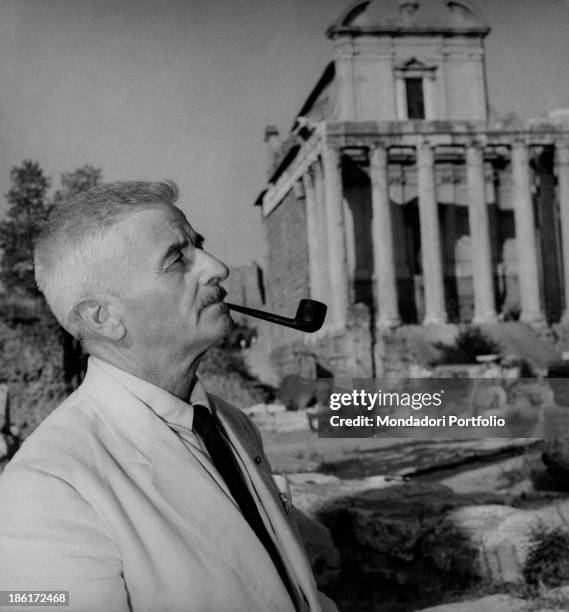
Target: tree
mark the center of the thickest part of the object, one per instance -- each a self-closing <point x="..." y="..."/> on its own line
<point x="78" y="181"/>
<point x="28" y="207"/>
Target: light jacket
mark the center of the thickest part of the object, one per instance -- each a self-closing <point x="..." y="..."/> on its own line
<point x="105" y="501"/>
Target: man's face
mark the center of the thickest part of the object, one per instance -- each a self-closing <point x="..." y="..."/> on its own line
<point x="172" y="301"/>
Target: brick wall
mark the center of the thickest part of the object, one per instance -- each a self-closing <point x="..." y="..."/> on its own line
<point x="245" y="286"/>
<point x="287" y="277"/>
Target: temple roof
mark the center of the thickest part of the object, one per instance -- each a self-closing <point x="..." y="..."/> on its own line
<point x="408" y="17"/>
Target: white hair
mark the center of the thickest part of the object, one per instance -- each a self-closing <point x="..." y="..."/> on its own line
<point x="77" y="255"/>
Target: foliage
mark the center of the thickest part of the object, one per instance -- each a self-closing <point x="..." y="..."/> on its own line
<point x="28" y="207"/>
<point x="448" y="562"/>
<point x="31" y="364"/>
<point x="438" y="567"/>
<point x="78" y="181"/>
<point x="469" y="343"/>
<point x="547" y="562"/>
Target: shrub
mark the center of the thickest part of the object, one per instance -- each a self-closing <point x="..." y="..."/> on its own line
<point x="448" y="560"/>
<point x="469" y="343"/>
<point x="31" y="364"/>
<point x="547" y="562"/>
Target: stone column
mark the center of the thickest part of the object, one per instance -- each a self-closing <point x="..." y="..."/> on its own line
<point x="337" y="251"/>
<point x="431" y="252"/>
<point x="526" y="242"/>
<point x="382" y="241"/>
<point x="482" y="276"/>
<point x="314" y="233"/>
<point x="322" y="240"/>
<point x="562" y="159"/>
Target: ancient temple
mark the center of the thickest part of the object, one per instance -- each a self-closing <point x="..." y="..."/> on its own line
<point x="396" y="190"/>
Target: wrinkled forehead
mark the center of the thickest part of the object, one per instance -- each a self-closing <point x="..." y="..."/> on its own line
<point x="154" y="225"/>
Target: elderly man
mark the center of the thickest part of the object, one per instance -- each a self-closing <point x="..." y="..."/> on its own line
<point x="142" y="492"/>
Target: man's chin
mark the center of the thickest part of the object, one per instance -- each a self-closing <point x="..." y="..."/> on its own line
<point x="216" y="319"/>
<point x="226" y="324"/>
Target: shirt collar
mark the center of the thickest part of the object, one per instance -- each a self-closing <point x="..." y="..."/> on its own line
<point x="167" y="406"/>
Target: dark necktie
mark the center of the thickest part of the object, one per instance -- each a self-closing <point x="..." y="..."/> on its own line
<point x="209" y="429"/>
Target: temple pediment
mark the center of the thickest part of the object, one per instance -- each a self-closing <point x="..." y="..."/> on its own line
<point x="408" y="16"/>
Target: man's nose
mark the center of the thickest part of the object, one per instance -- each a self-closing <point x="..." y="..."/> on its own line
<point x="214" y="270"/>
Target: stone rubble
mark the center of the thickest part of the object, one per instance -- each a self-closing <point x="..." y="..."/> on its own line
<point x="383" y="520"/>
<point x="492" y="603"/>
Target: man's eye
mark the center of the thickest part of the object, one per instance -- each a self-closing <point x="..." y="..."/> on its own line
<point x="178" y="259"/>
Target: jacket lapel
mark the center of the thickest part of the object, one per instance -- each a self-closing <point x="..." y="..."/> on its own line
<point x="270" y="506"/>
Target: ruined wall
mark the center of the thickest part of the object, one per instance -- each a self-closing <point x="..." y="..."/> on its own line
<point x="287" y="278"/>
<point x="344" y="354"/>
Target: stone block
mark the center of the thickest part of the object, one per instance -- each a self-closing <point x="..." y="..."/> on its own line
<point x="392" y="520"/>
<point x="556" y="443"/>
<point x="501" y="536"/>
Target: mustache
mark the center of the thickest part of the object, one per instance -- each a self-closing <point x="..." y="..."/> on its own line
<point x="218" y="296"/>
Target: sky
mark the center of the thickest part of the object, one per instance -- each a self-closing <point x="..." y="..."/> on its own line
<point x="183" y="89"/>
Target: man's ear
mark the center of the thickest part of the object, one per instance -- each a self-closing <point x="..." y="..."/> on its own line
<point x="100" y="319"/>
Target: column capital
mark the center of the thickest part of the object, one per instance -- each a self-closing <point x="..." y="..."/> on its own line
<point x="308" y="177"/>
<point x="519" y="143"/>
<point x="331" y="157"/>
<point x="378" y="154"/>
<point x="425" y="154"/>
<point x="378" y="144"/>
<point x="316" y="168"/>
<point x="425" y="144"/>
<point x="475" y="143"/>
<point x="331" y="149"/>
